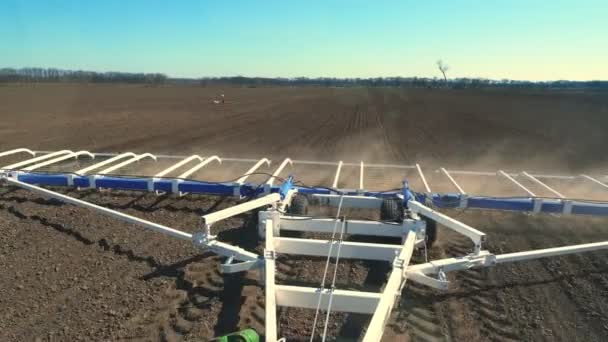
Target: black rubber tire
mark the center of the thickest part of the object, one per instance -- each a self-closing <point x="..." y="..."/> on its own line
<point x="391" y="210"/>
<point x="298" y="205"/>
<point x="431" y="232"/>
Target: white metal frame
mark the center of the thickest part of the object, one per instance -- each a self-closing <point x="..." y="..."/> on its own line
<point x="272" y="221"/>
<point x="33" y="160"/>
<point x="59" y="159"/>
<point x="17" y="150"/>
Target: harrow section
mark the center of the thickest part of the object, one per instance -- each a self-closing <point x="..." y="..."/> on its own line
<point x="284" y="207"/>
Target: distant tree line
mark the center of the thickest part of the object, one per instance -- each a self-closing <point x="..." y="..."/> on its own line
<point x="408" y="82"/>
<point x="59" y="75"/>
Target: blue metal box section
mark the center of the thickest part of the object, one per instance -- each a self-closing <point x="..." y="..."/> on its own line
<point x="441" y="200"/>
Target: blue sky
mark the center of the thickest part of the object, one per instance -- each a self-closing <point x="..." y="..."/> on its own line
<point x="517" y="39"/>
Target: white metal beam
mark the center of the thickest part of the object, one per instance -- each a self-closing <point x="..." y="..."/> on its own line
<point x="392" y="290"/>
<point x="59" y="159"/>
<point x="453" y="181"/>
<point x="595" y="181"/>
<point x="269" y="289"/>
<point x="105" y="162"/>
<point x="550" y="252"/>
<point x="178" y="165"/>
<point x="206" y="242"/>
<point x="475" y="235"/>
<point x="454" y="264"/>
<point x="35" y="160"/>
<point x="17" y="150"/>
<point x="349" y="250"/>
<point x="486" y="259"/>
<point x="521" y="186"/>
<point x="127" y="162"/>
<point x="199" y="166"/>
<point x="343" y="300"/>
<point x="356" y="227"/>
<point x="361" y="176"/>
<point x="116" y="214"/>
<point x="276" y="173"/>
<point x="426" y="185"/>
<point x="537" y="181"/>
<point x="269" y="199"/>
<point x="337" y="176"/>
<point x="253" y="169"/>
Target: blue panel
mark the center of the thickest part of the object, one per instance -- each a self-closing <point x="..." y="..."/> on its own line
<point x="206" y="188"/>
<point x="163" y="185"/>
<point x="81" y="181"/>
<point x="44" y="179"/>
<point x="319" y="191"/>
<point x="122" y="183"/>
<point x="517" y="204"/>
<point x="446" y="200"/>
<point x="590" y="209"/>
<point x="552" y="207"/>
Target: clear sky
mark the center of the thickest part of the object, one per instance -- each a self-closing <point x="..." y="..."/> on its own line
<point x="516" y="39"/>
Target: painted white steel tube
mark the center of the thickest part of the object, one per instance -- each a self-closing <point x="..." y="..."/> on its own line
<point x="337" y="176"/>
<point x="348" y="250"/>
<point x="228" y="250"/>
<point x="35" y="160"/>
<point x="486" y="259"/>
<point x="253" y="169"/>
<point x="200" y="165"/>
<point x="178" y="165"/>
<point x="276" y="173"/>
<point x="241" y="208"/>
<point x="393" y="287"/>
<point x="521" y="186"/>
<point x="453" y="181"/>
<point x="127" y="162"/>
<point x="426" y="185"/>
<point x="343" y="300"/>
<point x="537" y="181"/>
<point x="361" y="176"/>
<point x="59" y="159"/>
<point x="477" y="236"/>
<point x="356" y="227"/>
<point x="269" y="289"/>
<point x="595" y="180"/>
<point x="105" y="162"/>
<point x="116" y="214"/>
<point x="549" y="252"/>
<point x="17" y="150"/>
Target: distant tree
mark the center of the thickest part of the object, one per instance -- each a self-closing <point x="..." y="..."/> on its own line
<point x="443" y="68"/>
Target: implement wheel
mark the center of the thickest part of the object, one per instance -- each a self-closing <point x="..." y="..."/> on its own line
<point x="431" y="231"/>
<point x="391" y="210"/>
<point x="298" y="205"/>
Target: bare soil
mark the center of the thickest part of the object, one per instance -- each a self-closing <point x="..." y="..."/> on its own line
<point x="72" y="274"/>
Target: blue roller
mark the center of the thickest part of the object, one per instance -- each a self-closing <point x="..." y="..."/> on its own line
<point x="42" y="179"/>
<point x="440" y="200"/>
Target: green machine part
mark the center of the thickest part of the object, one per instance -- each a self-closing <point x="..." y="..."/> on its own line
<point x="247" y="335"/>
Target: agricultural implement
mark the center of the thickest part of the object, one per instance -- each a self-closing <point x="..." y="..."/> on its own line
<point x="405" y="214"/>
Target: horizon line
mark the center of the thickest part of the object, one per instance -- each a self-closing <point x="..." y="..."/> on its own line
<point x="169" y="76"/>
